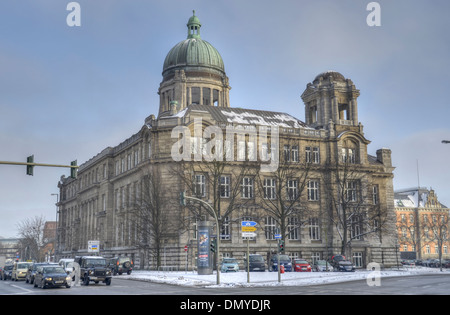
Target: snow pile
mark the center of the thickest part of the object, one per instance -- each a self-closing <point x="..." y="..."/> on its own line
<point x="239" y="279"/>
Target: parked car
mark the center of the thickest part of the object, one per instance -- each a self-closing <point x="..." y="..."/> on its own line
<point x="340" y="263"/>
<point x="322" y="265"/>
<point x="121" y="265"/>
<point x="19" y="271"/>
<point x="301" y="265"/>
<point x="408" y="262"/>
<point x="285" y="261"/>
<point x="51" y="276"/>
<point x="7" y="270"/>
<point x="31" y="272"/>
<point x="257" y="263"/>
<point x="229" y="264"/>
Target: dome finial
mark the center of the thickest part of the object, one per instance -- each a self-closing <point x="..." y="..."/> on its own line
<point x="194" y="26"/>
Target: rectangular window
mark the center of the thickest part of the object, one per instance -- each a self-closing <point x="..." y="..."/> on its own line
<point x="313" y="190"/>
<point x="200" y="185"/>
<point x="225" y="186"/>
<point x="247" y="188"/>
<point x="294" y="153"/>
<point x="269" y="188"/>
<point x="292" y="189"/>
<point x="314" y="229"/>
<point x="270" y="228"/>
<point x="293" y="228"/>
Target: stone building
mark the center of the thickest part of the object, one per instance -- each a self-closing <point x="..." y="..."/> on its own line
<point x="313" y="182"/>
<point x="422" y="223"/>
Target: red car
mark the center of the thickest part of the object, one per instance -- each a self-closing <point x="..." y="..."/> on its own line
<point x="301" y="265"/>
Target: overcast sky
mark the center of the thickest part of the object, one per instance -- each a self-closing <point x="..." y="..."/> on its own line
<point x="67" y="93"/>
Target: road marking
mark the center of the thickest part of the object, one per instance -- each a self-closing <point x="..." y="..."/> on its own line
<point x="26" y="290"/>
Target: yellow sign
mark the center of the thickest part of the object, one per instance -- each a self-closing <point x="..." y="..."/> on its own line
<point x="248" y="229"/>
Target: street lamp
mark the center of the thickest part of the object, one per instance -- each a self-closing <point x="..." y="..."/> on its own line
<point x="56" y="224"/>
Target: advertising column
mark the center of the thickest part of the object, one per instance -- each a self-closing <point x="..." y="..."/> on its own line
<point x="204" y="266"/>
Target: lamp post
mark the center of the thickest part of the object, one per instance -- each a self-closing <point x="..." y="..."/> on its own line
<point x="56" y="223"/>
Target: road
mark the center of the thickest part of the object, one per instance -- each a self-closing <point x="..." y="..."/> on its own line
<point x="433" y="284"/>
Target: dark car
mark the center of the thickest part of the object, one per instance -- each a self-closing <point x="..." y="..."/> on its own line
<point x="120" y="265"/>
<point x="256" y="263"/>
<point x="51" y="276"/>
<point x="7" y="272"/>
<point x="93" y="268"/>
<point x="340" y="263"/>
<point x="31" y="272"/>
<point x="285" y="261"/>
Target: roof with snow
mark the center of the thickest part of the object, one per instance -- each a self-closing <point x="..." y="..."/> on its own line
<point x="245" y="116"/>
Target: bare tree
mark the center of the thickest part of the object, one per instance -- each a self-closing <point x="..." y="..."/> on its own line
<point x="281" y="192"/>
<point x="151" y="215"/>
<point x="353" y="211"/>
<point x="436" y="232"/>
<point x="31" y="232"/>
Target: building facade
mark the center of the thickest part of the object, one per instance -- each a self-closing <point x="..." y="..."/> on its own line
<point x="312" y="182"/>
<point x="422" y="223"/>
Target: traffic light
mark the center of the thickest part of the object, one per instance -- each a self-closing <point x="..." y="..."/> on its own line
<point x="281" y="246"/>
<point x="73" y="170"/>
<point x="30" y="159"/>
<point x="213" y="245"/>
<point x="182" y="198"/>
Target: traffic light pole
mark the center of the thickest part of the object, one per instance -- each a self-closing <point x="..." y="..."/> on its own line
<point x="183" y="198"/>
<point x="32" y="164"/>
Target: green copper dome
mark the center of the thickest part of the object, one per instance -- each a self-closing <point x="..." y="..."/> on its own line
<point x="193" y="53"/>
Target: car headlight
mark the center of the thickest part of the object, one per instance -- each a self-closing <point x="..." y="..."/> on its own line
<point x="68" y="278"/>
<point x="91" y="272"/>
<point x="48" y="279"/>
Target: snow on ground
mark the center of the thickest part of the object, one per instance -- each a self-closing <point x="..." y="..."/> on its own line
<point x="239" y="279"/>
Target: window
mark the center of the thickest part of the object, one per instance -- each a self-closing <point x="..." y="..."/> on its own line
<point x="225" y="232"/>
<point x="269" y="188"/>
<point x="270" y="228"/>
<point x="200" y="185"/>
<point x="293" y="227"/>
<point x="225" y="186"/>
<point x="355" y="231"/>
<point x="375" y="197"/>
<point x="358" y="259"/>
<point x="294" y="153"/>
<point x="286" y="153"/>
<point x="314" y="229"/>
<point x="313" y="190"/>
<point x="316" y="156"/>
<point x="292" y="189"/>
<point x="351" y="191"/>
<point x="247" y="188"/>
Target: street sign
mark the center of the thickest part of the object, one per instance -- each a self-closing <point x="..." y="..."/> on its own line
<point x="186" y="248"/>
<point x="93" y="246"/>
<point x="248" y="234"/>
<point x="248" y="223"/>
<point x="248" y="229"/>
<point x="277" y="236"/>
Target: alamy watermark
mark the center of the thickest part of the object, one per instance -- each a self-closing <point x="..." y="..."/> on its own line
<point x="373" y="279"/>
<point x="239" y="143"/>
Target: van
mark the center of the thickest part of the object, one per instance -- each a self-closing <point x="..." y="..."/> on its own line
<point x="19" y="271"/>
<point x="256" y="263"/>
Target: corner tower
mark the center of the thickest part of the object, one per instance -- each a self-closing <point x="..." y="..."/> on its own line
<point x="193" y="73"/>
<point x="331" y="97"/>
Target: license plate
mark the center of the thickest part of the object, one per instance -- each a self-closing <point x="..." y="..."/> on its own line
<point x="59" y="282"/>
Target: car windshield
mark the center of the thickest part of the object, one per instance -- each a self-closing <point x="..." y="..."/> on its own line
<point x="299" y="261"/>
<point x="95" y="262"/>
<point x="53" y="270"/>
<point x="282" y="258"/>
<point x="321" y="262"/>
<point x="230" y="261"/>
<point x="256" y="258"/>
<point x="22" y="266"/>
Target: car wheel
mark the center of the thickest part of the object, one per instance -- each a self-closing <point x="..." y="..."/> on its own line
<point x="86" y="280"/>
<point x="108" y="281"/>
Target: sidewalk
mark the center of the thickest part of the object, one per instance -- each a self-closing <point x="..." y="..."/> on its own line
<point x="239" y="279"/>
